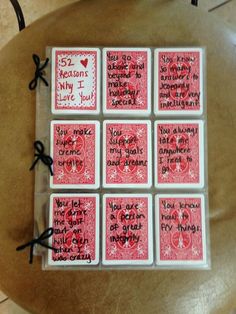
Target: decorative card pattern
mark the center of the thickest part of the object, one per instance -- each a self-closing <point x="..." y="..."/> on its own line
<point x="127" y="229"/>
<point x="127" y="81"/>
<point x="178" y="86"/>
<point x="179" y="154"/>
<point x="75" y="220"/>
<point x="75" y="153"/>
<point x="127" y="157"/>
<point x="180" y="225"/>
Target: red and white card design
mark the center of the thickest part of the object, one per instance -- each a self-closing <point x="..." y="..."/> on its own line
<point x="75" y="149"/>
<point x="180" y="229"/>
<point x="178" y="81"/>
<point x="179" y="154"/>
<point x="127" y="81"/>
<point x="127" y="229"/>
<point x="75" y="80"/>
<point x="127" y="154"/>
<point x="75" y="220"/>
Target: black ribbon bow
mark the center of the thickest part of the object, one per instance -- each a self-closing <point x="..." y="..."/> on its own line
<point x="194" y="2"/>
<point x="47" y="160"/>
<point x="38" y="72"/>
<point x="45" y="235"/>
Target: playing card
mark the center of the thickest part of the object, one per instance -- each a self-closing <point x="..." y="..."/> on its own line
<point x="127" y="81"/>
<point x="75" y="80"/>
<point x="127" y="229"/>
<point x="178" y="81"/>
<point x="127" y="154"/>
<point x="179" y="154"/>
<point x="75" y="220"/>
<point x="180" y="229"/>
<point x="75" y="149"/>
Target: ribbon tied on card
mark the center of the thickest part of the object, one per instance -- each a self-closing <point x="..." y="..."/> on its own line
<point x="46" y="159"/>
<point x="45" y="235"/>
<point x="38" y="72"/>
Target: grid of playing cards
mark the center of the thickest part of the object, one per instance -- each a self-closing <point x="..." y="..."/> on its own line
<point x="126" y="129"/>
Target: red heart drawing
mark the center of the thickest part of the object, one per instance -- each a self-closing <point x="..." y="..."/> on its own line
<point x="84" y="62"/>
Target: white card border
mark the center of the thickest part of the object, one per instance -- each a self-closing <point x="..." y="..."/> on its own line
<point x="140" y="112"/>
<point x="149" y="155"/>
<point x="98" y="86"/>
<point x="149" y="261"/>
<point x="159" y="262"/>
<point x="97" y="239"/>
<point x="96" y="185"/>
<point x="201" y="183"/>
<point x="181" y="112"/>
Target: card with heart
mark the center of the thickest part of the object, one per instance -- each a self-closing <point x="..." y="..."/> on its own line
<point x="127" y="229"/>
<point x="179" y="154"/>
<point x="75" y="87"/>
<point x="75" y="150"/>
<point x="75" y="220"/>
<point x="127" y="81"/>
<point x="127" y="154"/>
<point x="178" y="81"/>
<point x="180" y="229"/>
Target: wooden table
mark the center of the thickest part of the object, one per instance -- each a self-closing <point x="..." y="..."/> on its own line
<point x="118" y="23"/>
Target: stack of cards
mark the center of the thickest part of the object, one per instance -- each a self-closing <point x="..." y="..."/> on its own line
<point x="180" y="223"/>
<point x="75" y="220"/>
<point x="178" y="75"/>
<point x="127" y="81"/>
<point x="179" y="154"/>
<point x="152" y="139"/>
<point x="127" y="154"/>
<point x="75" y="87"/>
<point x="127" y="229"/>
<point x="75" y="149"/>
<point x="180" y="229"/>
